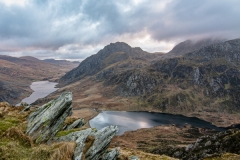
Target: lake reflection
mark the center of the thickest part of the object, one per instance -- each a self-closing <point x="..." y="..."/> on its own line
<point x="127" y="121"/>
<point x="41" y="89"/>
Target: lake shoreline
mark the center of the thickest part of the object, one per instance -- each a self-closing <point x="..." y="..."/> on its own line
<point x="40" y="89"/>
<point x="140" y="119"/>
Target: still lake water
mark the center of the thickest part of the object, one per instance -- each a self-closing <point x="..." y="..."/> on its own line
<point x="128" y="121"/>
<point x="41" y="89"/>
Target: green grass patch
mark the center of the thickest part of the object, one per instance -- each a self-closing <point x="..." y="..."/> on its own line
<point x="8" y="122"/>
<point x="66" y="132"/>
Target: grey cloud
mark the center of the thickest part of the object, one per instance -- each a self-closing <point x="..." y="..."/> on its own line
<point x="195" y="18"/>
<point x="50" y="25"/>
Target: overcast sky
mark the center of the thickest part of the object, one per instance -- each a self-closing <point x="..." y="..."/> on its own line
<point x="75" y="29"/>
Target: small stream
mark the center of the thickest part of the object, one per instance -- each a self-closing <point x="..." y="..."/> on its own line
<point x="41" y="89"/>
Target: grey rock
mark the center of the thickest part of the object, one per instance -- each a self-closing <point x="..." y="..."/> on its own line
<point x="189" y="147"/>
<point x="76" y="124"/>
<point x="111" y="154"/>
<point x="208" y="143"/>
<point x="79" y="137"/>
<point x="101" y="139"/>
<point x="133" y="158"/>
<point x="47" y="120"/>
<point x="25" y="109"/>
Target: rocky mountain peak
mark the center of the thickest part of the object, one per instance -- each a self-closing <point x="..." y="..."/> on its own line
<point x="110" y="54"/>
<point x="117" y="47"/>
<point x="192" y="45"/>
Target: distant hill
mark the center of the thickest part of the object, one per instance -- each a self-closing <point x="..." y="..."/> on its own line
<point x="29" y="58"/>
<point x="61" y="62"/>
<point x="16" y="74"/>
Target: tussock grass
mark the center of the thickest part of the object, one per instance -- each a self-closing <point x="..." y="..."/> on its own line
<point x="14" y="144"/>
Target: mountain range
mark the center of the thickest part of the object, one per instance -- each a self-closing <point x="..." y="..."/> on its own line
<point x="201" y="80"/>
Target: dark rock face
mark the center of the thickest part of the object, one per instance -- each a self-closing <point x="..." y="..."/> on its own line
<point x="129" y="83"/>
<point x="209" y="146"/>
<point x="46" y="121"/>
<point x="166" y="66"/>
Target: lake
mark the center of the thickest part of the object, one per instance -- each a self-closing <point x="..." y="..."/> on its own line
<point x="41" y="89"/>
<point x="128" y="121"/>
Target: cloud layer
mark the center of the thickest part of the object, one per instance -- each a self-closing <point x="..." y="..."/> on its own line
<point x="75" y="29"/>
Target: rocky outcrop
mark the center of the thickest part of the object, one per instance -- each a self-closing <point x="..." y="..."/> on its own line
<point x="46" y="121"/>
<point x="92" y="144"/>
<point x="211" y="146"/>
<point x="111" y="154"/>
<point x="228" y="50"/>
<point x="135" y="84"/>
<point x="76" y="124"/>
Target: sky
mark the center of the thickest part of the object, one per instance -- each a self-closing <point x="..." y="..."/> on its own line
<point x="76" y="29"/>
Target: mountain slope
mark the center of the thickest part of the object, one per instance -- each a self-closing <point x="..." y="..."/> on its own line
<point x="203" y="83"/>
<point x="109" y="55"/>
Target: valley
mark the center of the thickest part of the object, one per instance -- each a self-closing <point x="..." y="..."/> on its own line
<point x="203" y="83"/>
<point x="194" y="79"/>
<point x="16" y="75"/>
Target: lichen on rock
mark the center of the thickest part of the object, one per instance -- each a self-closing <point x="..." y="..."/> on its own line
<point x="46" y="121"/>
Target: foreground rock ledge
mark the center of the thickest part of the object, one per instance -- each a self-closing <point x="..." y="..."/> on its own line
<point x="91" y="144"/>
<point x="46" y="121"/>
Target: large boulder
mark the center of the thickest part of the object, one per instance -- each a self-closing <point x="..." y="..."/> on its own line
<point x="92" y="144"/>
<point x="46" y="121"/>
